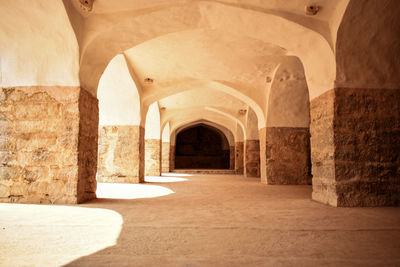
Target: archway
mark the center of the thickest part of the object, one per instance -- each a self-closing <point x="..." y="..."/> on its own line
<point x="120" y="133"/>
<point x="201" y="147"/>
<point x="152" y="141"/>
<point x="285" y="142"/>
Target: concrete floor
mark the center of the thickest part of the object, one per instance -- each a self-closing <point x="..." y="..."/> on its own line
<point x="200" y="220"/>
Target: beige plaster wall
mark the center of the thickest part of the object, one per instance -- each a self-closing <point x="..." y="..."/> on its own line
<point x="37" y="44"/>
<point x="153" y="124"/>
<point x="119" y="100"/>
<point x="288" y="100"/>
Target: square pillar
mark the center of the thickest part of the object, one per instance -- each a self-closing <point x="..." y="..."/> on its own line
<point x="231" y="157"/>
<point x="239" y="158"/>
<point x="152" y="157"/>
<point x="48" y="144"/>
<point x="252" y="158"/>
<point x="121" y="154"/>
<point x="355" y="147"/>
<point x="285" y="155"/>
<point x="165" y="157"/>
<point x="172" y="158"/>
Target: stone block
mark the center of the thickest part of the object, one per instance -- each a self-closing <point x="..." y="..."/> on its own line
<point x="120" y="158"/>
<point x="44" y="138"/>
<point x="239" y="150"/>
<point x="252" y="158"/>
<point x="365" y="146"/>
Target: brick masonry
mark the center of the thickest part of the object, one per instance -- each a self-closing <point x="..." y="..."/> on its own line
<point x="285" y="155"/>
<point x="252" y="158"/>
<point x="239" y="158"/>
<point x="48" y="144"/>
<point x="165" y="146"/>
<point x="355" y="145"/>
<point x="152" y="157"/>
<point x="121" y="154"/>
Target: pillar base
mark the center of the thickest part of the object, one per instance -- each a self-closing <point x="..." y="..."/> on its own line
<point x="152" y="157"/>
<point x="48" y="144"/>
<point x="355" y="147"/>
<point x="121" y="154"/>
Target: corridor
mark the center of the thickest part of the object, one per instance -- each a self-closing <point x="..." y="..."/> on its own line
<point x="200" y="220"/>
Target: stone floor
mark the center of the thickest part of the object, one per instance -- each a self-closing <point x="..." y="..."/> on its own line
<point x="200" y="220"/>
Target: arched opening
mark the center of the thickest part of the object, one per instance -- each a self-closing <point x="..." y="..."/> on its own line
<point x="120" y="144"/>
<point x="201" y="147"/>
<point x="285" y="142"/>
<point x="152" y="142"/>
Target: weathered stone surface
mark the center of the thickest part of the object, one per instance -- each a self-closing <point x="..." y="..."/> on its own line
<point x="323" y="148"/>
<point x="232" y="157"/>
<point x="87" y="146"/>
<point x="47" y="145"/>
<point x="121" y="154"/>
<point x="252" y="158"/>
<point x="239" y="157"/>
<point x="152" y="157"/>
<point x="357" y="162"/>
<point x="165" y="146"/>
<point x="171" y="158"/>
<point x="287" y="155"/>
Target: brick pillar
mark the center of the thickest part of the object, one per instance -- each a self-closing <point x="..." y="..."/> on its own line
<point x="239" y="157"/>
<point x="252" y="158"/>
<point x="285" y="155"/>
<point x="152" y="157"/>
<point x="355" y="147"/>
<point x="48" y="144"/>
<point x="165" y="154"/>
<point x="121" y="154"/>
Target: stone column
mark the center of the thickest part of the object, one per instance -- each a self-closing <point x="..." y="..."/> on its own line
<point x="355" y="147"/>
<point x="252" y="158"/>
<point x="232" y="157"/>
<point x="48" y="144"/>
<point x="172" y="158"/>
<point x="285" y="155"/>
<point x="239" y="157"/>
<point x="152" y="157"/>
<point x="121" y="154"/>
<point x="165" y="146"/>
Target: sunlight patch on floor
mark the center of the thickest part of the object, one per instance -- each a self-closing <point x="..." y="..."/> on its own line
<point x="54" y="235"/>
<point x="131" y="191"/>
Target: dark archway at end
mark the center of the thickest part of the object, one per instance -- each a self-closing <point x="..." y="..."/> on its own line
<point x="201" y="147"/>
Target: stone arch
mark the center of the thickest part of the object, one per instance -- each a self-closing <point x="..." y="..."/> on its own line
<point x="231" y="129"/>
<point x="228" y="134"/>
<point x="154" y="95"/>
<point x="200" y="114"/>
<point x="233" y="139"/>
<point x="119" y="99"/>
<point x="285" y="142"/>
<point x="209" y="150"/>
<point x="319" y="62"/>
<point x="153" y="141"/>
<point x="119" y="125"/>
